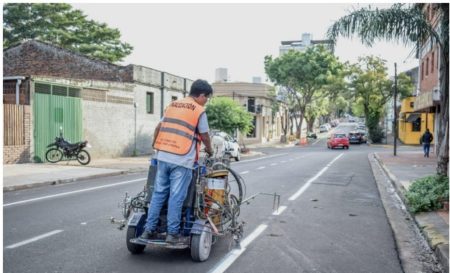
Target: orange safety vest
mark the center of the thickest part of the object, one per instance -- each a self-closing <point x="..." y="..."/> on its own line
<point x="179" y="127"/>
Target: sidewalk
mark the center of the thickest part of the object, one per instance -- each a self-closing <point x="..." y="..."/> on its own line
<point x="402" y="170"/>
<point x="29" y="175"/>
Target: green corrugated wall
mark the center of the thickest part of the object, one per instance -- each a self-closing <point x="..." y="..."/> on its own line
<point x="52" y="112"/>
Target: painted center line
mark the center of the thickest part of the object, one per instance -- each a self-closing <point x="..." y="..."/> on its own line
<point x="244" y="172"/>
<point x="260" y="158"/>
<point x="232" y="256"/>
<point x="280" y="210"/>
<point x="273" y="164"/>
<point x="35" y="238"/>
<point x="308" y="183"/>
<point x="283" y="161"/>
<point x="260" y="168"/>
<point x="72" y="192"/>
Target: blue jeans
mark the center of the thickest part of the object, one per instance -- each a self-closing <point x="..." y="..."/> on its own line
<point x="426" y="149"/>
<point x="172" y="181"/>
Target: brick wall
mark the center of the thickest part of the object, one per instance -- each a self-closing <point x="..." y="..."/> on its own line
<point x="20" y="153"/>
<point x="37" y="58"/>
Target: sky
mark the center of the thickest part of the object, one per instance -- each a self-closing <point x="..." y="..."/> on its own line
<point x="192" y="40"/>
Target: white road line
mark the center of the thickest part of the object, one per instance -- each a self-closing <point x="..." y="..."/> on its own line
<point x="284" y="161"/>
<point x="260" y="168"/>
<point x="273" y="164"/>
<point x="244" y="161"/>
<point x="280" y="210"/>
<point x="308" y="183"/>
<point x="235" y="253"/>
<point x="316" y="141"/>
<point x="244" y="172"/>
<point x="48" y="234"/>
<point x="72" y="192"/>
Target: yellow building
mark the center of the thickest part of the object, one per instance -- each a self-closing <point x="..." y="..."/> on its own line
<point x="411" y="126"/>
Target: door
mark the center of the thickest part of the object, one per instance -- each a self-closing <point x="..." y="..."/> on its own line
<point x="55" y="106"/>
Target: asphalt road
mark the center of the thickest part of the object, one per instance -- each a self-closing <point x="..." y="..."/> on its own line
<point x="331" y="219"/>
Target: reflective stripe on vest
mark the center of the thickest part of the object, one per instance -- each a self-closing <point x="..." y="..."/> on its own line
<point x="178" y="127"/>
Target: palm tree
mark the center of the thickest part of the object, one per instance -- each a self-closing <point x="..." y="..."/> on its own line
<point x="407" y="24"/>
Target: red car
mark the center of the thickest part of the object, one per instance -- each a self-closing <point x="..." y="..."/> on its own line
<point x="338" y="140"/>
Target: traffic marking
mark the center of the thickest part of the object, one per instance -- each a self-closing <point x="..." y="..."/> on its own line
<point x="260" y="168"/>
<point x="232" y="256"/>
<point x="72" y="192"/>
<point x="244" y="172"/>
<point x="45" y="235"/>
<point x="273" y="164"/>
<point x="280" y="210"/>
<point x="308" y="183"/>
<point x="255" y="159"/>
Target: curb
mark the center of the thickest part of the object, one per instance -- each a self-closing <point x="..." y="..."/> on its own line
<point x="439" y="248"/>
<point x="60" y="181"/>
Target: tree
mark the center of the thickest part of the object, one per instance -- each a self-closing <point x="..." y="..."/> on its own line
<point x="372" y="89"/>
<point x="61" y="25"/>
<point x="303" y="74"/>
<point x="227" y="115"/>
<point x="409" y="25"/>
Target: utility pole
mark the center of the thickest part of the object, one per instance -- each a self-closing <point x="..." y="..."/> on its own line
<point x="395" y="109"/>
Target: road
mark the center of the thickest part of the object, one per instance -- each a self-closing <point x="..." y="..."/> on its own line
<point x="331" y="219"/>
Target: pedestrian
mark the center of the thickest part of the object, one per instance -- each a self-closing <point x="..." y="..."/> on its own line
<point x="426" y="140"/>
<point x="177" y="142"/>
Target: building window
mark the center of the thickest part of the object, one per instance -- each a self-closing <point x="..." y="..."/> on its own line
<point x="411" y="104"/>
<point x="416" y="125"/>
<point x="251" y="104"/>
<point x="174" y="98"/>
<point x="426" y="68"/>
<point x="432" y="62"/>
<point x="252" y="132"/>
<point x="149" y="102"/>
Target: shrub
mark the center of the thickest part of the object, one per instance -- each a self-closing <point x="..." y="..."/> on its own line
<point x="427" y="194"/>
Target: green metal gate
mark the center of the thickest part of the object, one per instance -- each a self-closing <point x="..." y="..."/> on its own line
<point x="55" y="106"/>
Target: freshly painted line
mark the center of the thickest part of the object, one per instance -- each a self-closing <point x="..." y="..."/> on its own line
<point x="280" y="210"/>
<point x="229" y="259"/>
<point x="35" y="239"/>
<point x="244" y="172"/>
<point x="316" y="142"/>
<point x="72" y="192"/>
<point x="244" y="161"/>
<point x="260" y="168"/>
<point x="273" y="164"/>
<point x="308" y="183"/>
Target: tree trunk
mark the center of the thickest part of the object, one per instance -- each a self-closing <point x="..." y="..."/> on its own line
<point x="442" y="148"/>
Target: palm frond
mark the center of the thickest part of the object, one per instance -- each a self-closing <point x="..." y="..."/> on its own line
<point x="405" y="25"/>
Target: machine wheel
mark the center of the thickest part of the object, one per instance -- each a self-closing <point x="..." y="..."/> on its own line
<point x="83" y="157"/>
<point x="53" y="155"/>
<point x="133" y="248"/>
<point x="201" y="245"/>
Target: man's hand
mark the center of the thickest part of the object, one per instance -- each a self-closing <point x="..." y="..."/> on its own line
<point x="209" y="151"/>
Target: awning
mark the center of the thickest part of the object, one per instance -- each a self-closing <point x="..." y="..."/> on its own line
<point x="413" y="117"/>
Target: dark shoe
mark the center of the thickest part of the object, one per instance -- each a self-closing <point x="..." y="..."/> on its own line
<point x="175" y="239"/>
<point x="148" y="235"/>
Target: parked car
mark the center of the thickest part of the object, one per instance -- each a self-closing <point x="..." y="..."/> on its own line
<point x="324" y="128"/>
<point x="363" y="136"/>
<point x="311" y="135"/>
<point x="338" y="140"/>
<point x="357" y="136"/>
<point x="225" y="144"/>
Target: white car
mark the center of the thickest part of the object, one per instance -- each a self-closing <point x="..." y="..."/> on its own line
<point x="223" y="143"/>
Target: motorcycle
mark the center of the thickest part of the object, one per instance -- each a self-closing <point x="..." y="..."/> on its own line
<point x="64" y="148"/>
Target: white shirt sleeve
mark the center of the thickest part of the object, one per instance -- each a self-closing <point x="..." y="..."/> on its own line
<point x="203" y="126"/>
